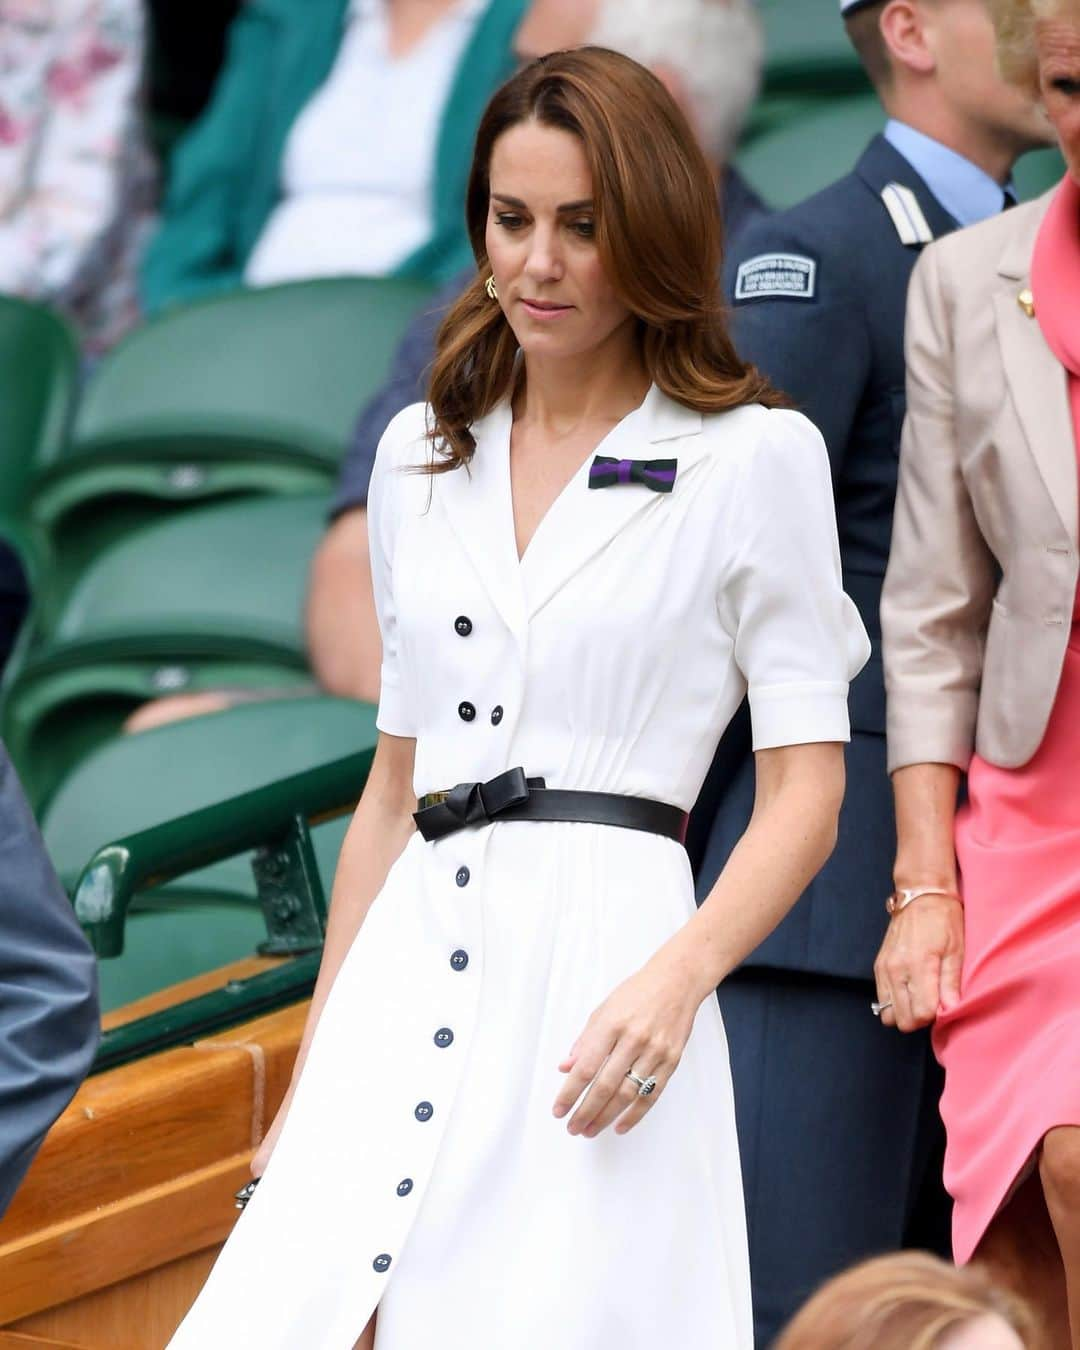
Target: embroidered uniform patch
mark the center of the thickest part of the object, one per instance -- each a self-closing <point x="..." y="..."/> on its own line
<point x="788" y="275"/>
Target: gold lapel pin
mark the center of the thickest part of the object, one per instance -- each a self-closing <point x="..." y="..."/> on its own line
<point x="1026" y="301"/>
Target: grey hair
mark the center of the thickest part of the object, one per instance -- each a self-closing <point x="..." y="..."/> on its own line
<point x="715" y="47"/>
<point x="1014" y="24"/>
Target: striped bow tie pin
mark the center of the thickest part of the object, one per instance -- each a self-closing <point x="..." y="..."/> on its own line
<point x="657" y="474"/>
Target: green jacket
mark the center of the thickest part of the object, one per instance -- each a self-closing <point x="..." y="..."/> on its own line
<point x="225" y="176"/>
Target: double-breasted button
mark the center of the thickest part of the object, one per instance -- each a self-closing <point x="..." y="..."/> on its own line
<point x="444" y="1037"/>
<point x="381" y="1263"/>
<point x="424" y="1111"/>
<point x="466" y="712"/>
<point x="404" y="1187"/>
<point x="463" y="625"/>
<point x="459" y="959"/>
<point x="462" y="876"/>
<point x="496" y="715"/>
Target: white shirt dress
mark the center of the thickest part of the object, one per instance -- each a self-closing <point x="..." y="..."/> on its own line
<point x="420" y="1169"/>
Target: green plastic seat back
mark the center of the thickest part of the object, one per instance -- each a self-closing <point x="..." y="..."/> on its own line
<point x="39" y="371"/>
<point x="290" y="363"/>
<point x="210" y="598"/>
<point x="807" y="145"/>
<point x="807" y="47"/>
<point x="52" y="718"/>
<point x="231" y="571"/>
<point x="209" y="917"/>
<point x="1037" y="172"/>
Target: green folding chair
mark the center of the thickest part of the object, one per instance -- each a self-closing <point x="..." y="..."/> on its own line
<point x="211" y="915"/>
<point x="39" y="372"/>
<point x="211" y="598"/>
<point x="250" y="393"/>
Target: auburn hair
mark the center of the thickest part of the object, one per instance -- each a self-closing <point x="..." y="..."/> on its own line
<point x="657" y="231"/>
<point x="905" y="1301"/>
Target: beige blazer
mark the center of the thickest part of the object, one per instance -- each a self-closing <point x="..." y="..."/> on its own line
<point x="978" y="598"/>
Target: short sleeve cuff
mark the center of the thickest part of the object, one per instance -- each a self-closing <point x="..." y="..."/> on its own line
<point x="799" y="714"/>
<point x="931" y="728"/>
<point x="395" y="715"/>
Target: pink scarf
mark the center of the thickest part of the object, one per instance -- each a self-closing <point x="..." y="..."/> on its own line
<point x="1055" y="284"/>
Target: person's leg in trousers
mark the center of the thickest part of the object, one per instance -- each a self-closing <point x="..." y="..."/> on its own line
<point x="836" y="1120"/>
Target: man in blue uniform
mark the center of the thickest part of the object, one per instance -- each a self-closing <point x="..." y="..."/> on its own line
<point x="838" y="1119"/>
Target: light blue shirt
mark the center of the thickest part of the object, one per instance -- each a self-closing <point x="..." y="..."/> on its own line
<point x="967" y="192"/>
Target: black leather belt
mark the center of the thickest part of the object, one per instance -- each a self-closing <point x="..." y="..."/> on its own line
<point x="512" y="796"/>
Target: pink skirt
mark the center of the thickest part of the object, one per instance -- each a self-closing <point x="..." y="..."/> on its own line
<point x="1011" y="1048"/>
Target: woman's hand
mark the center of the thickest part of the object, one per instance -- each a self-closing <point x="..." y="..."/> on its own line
<point x="644" y="1025"/>
<point x="918" y="967"/>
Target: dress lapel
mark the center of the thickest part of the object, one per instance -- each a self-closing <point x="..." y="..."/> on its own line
<point x="581" y="521"/>
<point x="1037" y="380"/>
<point x="478" y="507"/>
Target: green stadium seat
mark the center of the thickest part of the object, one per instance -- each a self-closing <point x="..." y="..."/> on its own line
<point x="806" y="144"/>
<point x="211" y="916"/>
<point x="39" y="373"/>
<point x="253" y="392"/>
<point x="1037" y="172"/>
<point x="207" y="599"/>
<point x="807" y="49"/>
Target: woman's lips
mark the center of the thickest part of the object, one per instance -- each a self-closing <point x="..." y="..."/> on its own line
<point x="544" y="309"/>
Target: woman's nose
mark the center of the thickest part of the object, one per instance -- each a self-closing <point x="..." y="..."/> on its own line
<point x="544" y="262"/>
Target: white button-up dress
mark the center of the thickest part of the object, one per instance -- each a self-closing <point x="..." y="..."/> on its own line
<point x="421" y="1169"/>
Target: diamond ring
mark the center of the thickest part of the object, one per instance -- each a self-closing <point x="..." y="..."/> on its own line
<point x="645" y="1086"/>
<point x="878" y="1008"/>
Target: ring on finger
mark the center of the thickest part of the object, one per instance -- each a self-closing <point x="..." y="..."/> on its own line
<point x="645" y="1086"/>
<point x="878" y="1008"/>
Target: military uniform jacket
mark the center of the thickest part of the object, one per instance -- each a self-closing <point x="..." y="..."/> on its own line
<point x="819" y="293"/>
<point x="420" y="1167"/>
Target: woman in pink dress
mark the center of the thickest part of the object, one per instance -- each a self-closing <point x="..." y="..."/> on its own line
<point x="981" y="628"/>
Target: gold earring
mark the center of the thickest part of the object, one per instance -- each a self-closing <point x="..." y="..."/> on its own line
<point x="489" y="286"/>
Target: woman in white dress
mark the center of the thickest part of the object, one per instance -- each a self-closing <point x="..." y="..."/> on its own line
<point x="511" y="1123"/>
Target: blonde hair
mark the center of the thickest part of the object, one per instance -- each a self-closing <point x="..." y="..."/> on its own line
<point x="907" y="1301"/>
<point x="1014" y="23"/>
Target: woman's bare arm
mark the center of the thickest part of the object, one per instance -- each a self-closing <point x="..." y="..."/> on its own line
<point x="647" y="1021"/>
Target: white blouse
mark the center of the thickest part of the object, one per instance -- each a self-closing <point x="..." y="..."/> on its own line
<point x="358" y="166"/>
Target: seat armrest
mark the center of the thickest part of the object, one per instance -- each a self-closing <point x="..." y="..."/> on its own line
<point x="273" y="820"/>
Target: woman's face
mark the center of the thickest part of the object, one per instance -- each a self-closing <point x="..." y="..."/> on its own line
<point x="1059" y="78"/>
<point x="541" y="244"/>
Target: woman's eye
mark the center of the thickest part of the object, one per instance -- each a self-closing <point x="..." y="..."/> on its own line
<point x="508" y="220"/>
<point x="1064" y="84"/>
<point x="585" y="228"/>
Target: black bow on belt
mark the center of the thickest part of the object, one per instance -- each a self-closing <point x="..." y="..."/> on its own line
<point x="442" y="813"/>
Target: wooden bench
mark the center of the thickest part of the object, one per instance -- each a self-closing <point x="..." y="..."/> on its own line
<point x="127" y="1204"/>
